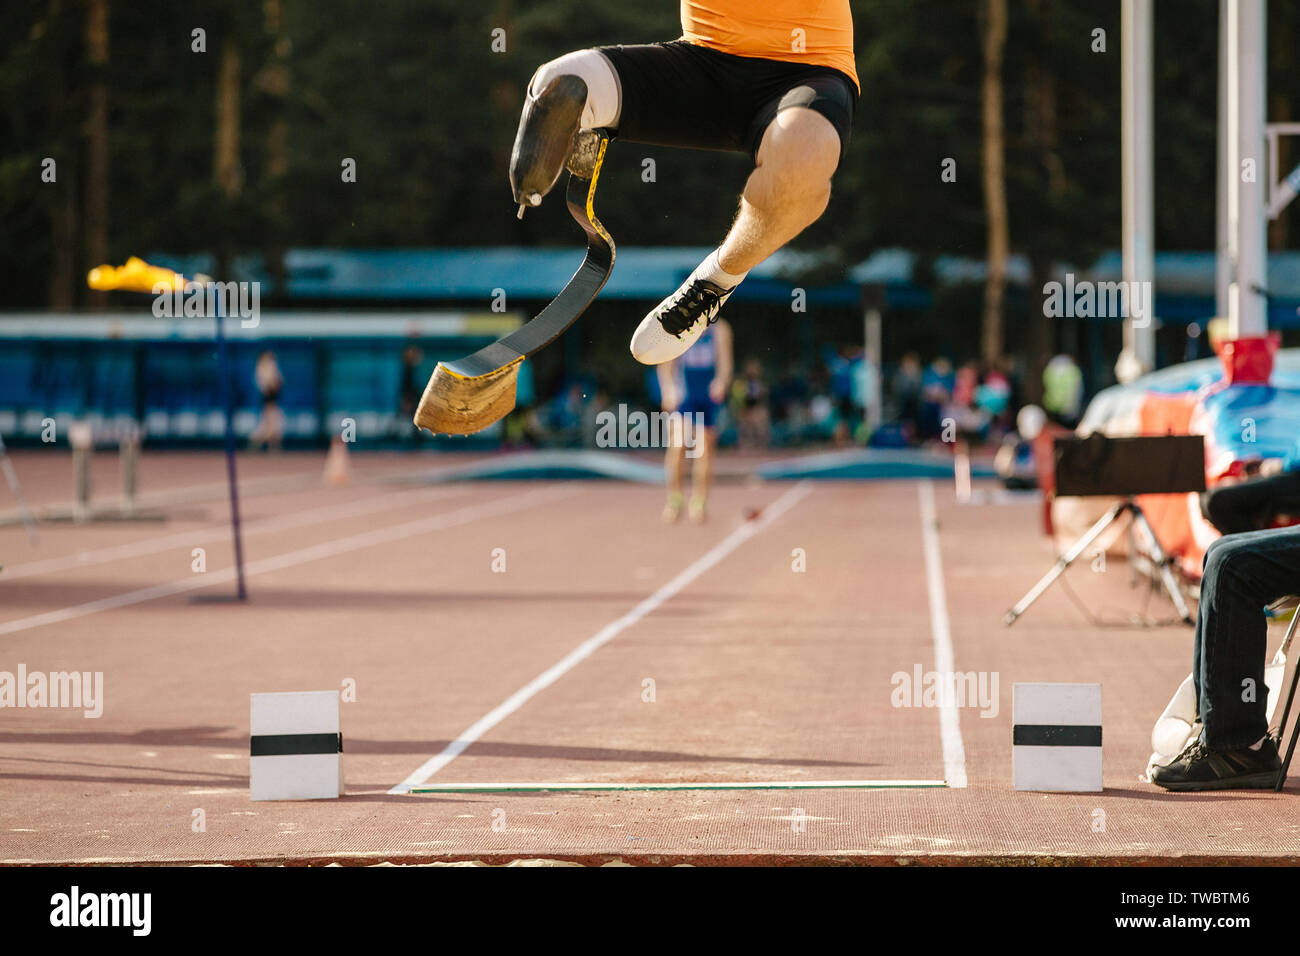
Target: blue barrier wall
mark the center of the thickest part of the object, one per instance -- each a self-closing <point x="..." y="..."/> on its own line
<point x="163" y="373"/>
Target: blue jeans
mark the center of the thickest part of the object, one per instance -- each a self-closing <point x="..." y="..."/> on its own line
<point x="1243" y="573"/>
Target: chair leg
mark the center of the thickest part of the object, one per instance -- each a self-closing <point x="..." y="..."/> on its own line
<point x="1286" y="710"/>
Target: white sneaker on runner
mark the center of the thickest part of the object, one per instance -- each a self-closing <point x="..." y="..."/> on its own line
<point x="676" y="322"/>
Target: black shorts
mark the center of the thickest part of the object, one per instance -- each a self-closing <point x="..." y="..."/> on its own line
<point x="682" y="94"/>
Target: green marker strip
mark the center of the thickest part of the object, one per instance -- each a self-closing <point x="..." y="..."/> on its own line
<point x="740" y="785"/>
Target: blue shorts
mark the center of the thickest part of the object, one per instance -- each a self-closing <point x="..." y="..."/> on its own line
<point x="705" y="407"/>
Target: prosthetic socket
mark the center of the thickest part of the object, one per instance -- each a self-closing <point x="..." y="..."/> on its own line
<point x="547" y="132"/>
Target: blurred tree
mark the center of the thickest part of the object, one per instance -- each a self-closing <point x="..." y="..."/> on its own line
<point x="61" y="202"/>
<point x="274" y="82"/>
<point x="994" y="31"/>
<point x="1048" y="182"/>
<point x="97" y="146"/>
<point x="227" y="166"/>
<point x="413" y="91"/>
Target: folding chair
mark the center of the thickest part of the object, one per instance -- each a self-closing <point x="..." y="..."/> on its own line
<point x="1280" y="658"/>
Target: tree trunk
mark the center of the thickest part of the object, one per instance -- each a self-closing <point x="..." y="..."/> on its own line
<point x="1046" y="334"/>
<point x="227" y="173"/>
<point x="995" y="186"/>
<point x="63" y="240"/>
<point x="97" y="184"/>
<point x="63" y="209"/>
<point x="276" y="81"/>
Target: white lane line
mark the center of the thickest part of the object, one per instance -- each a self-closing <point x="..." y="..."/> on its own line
<point x="316" y="552"/>
<point x="221" y="532"/>
<point x="607" y="633"/>
<point x="954" y="752"/>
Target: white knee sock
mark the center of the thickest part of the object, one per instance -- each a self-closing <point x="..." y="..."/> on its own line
<point x="711" y="269"/>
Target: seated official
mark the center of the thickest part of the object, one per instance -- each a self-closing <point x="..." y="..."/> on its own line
<point x="1243" y="574"/>
<point x="1272" y="488"/>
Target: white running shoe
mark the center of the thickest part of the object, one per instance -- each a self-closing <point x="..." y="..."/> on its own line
<point x="674" y="325"/>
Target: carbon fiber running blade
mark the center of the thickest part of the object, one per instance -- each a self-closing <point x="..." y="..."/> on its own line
<point x="469" y="394"/>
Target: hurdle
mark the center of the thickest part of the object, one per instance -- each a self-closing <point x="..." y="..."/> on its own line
<point x="82" y="440"/>
<point x="16" y="489"/>
<point x="129" y="461"/>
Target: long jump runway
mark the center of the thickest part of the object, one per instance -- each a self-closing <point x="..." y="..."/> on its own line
<point x="558" y="633"/>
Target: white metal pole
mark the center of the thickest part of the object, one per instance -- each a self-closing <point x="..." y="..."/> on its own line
<point x="1248" y="306"/>
<point x="1223" y="259"/>
<point x="1137" y="180"/>
<point x="1232" y="174"/>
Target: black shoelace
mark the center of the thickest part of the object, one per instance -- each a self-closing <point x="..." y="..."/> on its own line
<point x="688" y="309"/>
<point x="1193" y="751"/>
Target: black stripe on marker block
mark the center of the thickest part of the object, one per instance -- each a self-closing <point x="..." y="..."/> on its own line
<point x="280" y="745"/>
<point x="1056" y="735"/>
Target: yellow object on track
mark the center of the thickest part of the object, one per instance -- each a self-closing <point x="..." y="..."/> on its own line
<point x="135" y="275"/>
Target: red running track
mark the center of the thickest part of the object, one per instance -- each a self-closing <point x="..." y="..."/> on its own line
<point x="539" y="672"/>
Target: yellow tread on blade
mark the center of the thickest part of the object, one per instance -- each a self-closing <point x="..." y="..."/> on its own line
<point x="455" y="404"/>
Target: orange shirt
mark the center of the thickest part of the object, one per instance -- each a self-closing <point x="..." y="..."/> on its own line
<point x="816" y="32"/>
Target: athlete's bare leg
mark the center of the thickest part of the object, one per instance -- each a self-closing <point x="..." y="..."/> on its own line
<point x="702" y="472"/>
<point x="674" y="460"/>
<point x="788" y="189"/>
<point x="787" y="192"/>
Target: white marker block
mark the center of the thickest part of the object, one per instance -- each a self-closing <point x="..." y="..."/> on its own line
<point x="1056" y="737"/>
<point x="296" y="747"/>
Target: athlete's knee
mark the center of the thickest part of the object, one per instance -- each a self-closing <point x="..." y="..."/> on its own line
<point x="1217" y="555"/>
<point x="594" y="68"/>
<point x="799" y="154"/>
<point x="802" y="144"/>
<point x="1230" y="561"/>
<point x="1214" y="507"/>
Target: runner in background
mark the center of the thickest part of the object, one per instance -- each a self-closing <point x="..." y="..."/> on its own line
<point x="269" y="432"/>
<point x="695" y="384"/>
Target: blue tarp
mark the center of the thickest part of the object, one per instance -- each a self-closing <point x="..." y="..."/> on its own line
<point x="1253" y="421"/>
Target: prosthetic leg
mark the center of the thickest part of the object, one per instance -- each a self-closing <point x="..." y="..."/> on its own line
<point x="468" y="395"/>
<point x="547" y="131"/>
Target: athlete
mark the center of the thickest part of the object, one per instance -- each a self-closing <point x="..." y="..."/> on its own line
<point x="773" y="78"/>
<point x="695" y="385"/>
